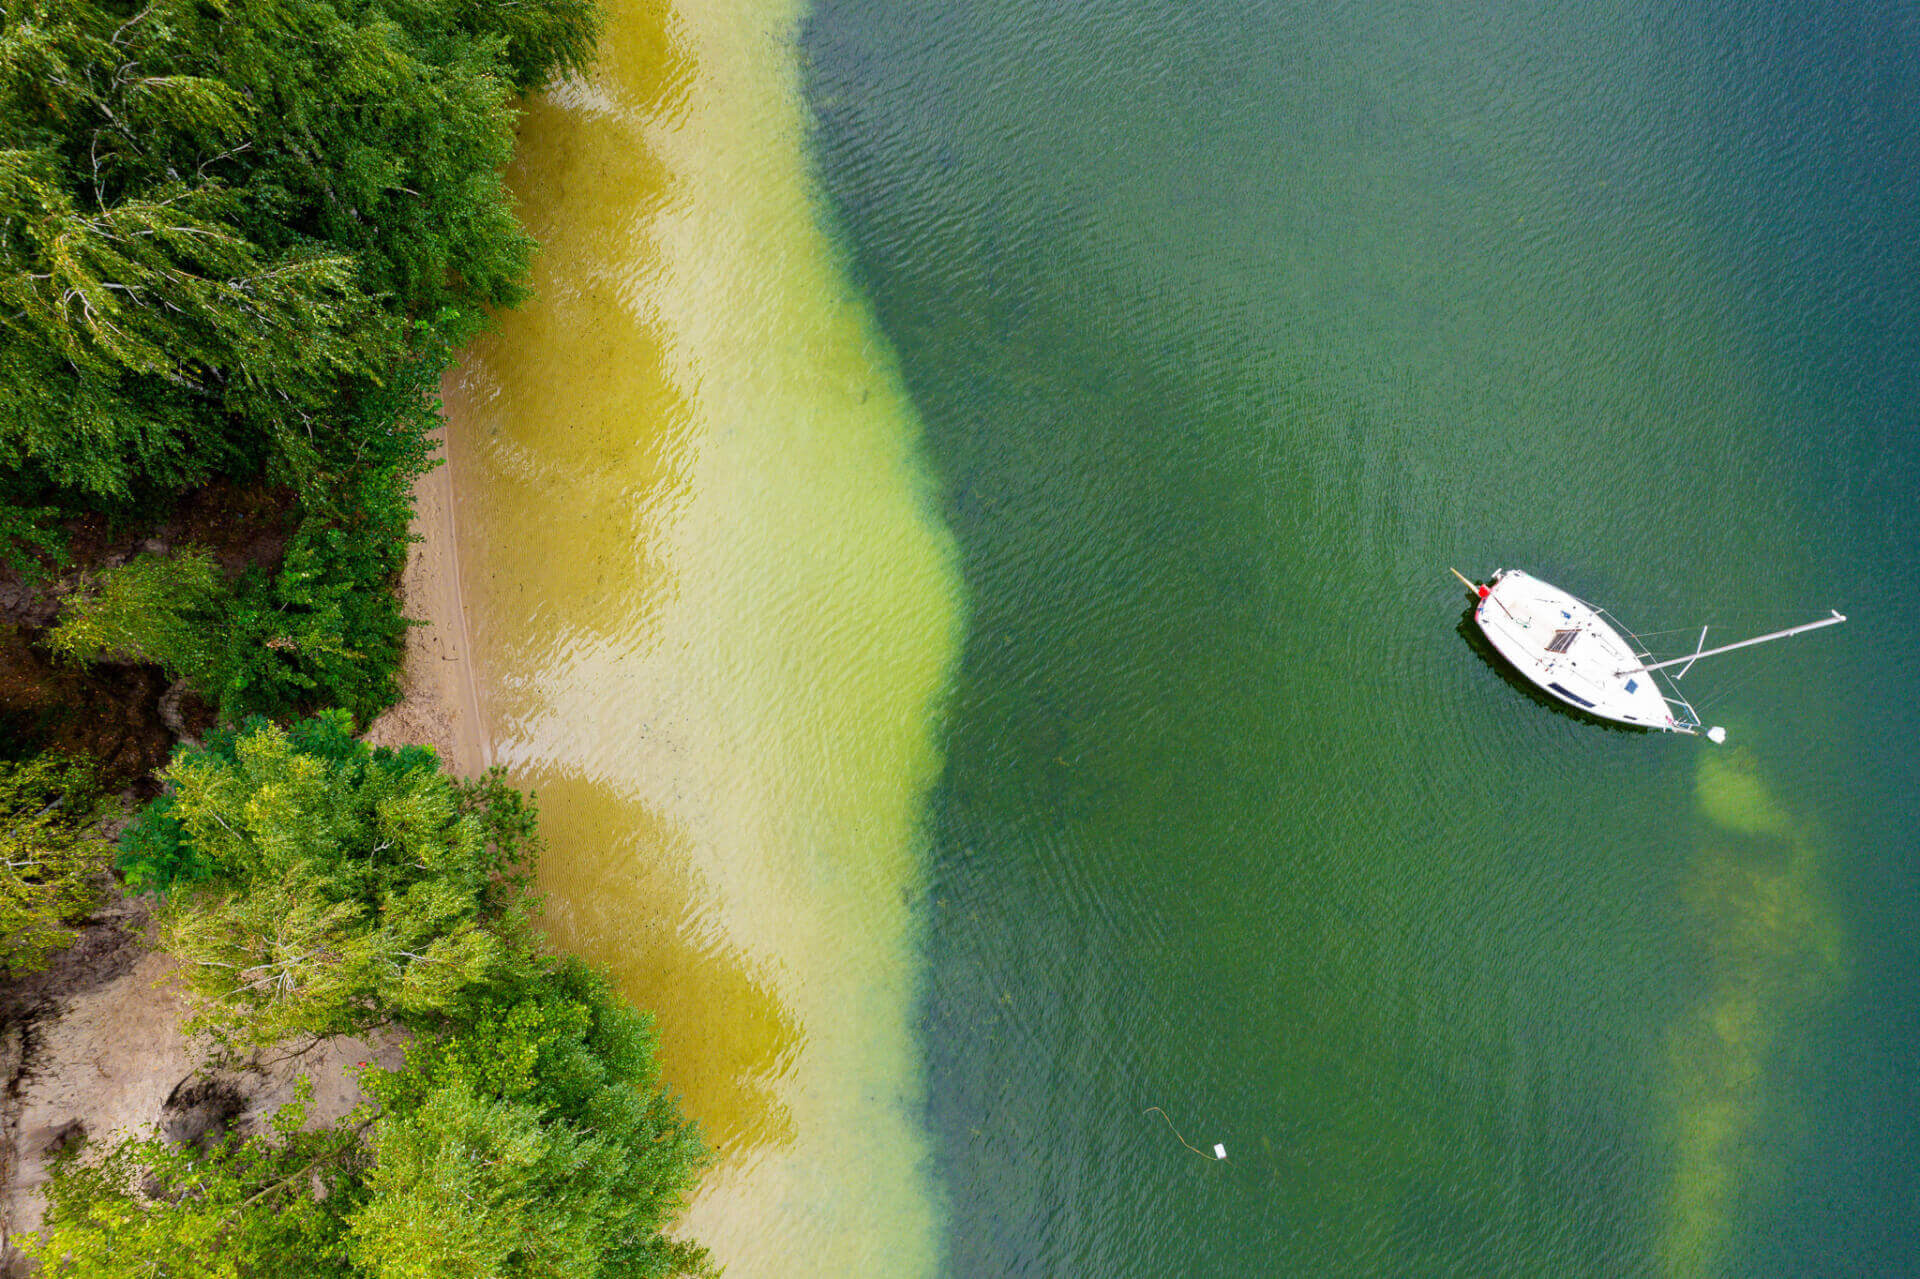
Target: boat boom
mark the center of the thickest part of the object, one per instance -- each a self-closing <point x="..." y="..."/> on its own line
<point x="1837" y="618"/>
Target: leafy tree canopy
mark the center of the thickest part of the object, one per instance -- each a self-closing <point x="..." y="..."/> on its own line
<point x="216" y="216"/>
<point x="532" y="1139"/>
<point x="151" y="609"/>
<point x="322" y="629"/>
<point x="52" y="863"/>
<point x="323" y="887"/>
<point x="269" y="1205"/>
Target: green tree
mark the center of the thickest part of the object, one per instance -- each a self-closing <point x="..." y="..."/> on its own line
<point x="237" y="239"/>
<point x="219" y="222"/>
<point x="142" y="326"/>
<point x="52" y="862"/>
<point x="317" y="886"/>
<point x="269" y="1205"/>
<point x="321" y="886"/>
<point x="325" y="629"/>
<point x="158" y="609"/>
<point x="530" y="1139"/>
<point x="322" y="629"/>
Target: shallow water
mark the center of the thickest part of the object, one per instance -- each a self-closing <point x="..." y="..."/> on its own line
<point x="1232" y="327"/>
<point x="714" y="624"/>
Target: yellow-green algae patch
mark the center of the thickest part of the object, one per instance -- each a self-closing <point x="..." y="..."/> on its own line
<point x="1774" y="953"/>
<point x="714" y="620"/>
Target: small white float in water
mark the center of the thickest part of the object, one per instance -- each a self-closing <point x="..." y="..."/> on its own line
<point x="1572" y="651"/>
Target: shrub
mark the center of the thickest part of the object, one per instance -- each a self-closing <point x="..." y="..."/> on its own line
<point x="52" y="864"/>
<point x="153" y="608"/>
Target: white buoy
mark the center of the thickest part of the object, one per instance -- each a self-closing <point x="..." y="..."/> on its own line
<point x="1716" y="734"/>
<point x="1219" y="1151"/>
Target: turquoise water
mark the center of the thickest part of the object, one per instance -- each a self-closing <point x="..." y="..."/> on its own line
<point x="1232" y="326"/>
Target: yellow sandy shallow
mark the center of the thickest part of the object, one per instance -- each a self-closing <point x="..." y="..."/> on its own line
<point x="714" y="620"/>
<point x="1774" y="953"/>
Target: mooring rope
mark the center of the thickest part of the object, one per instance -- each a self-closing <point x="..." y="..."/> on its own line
<point x="1182" y="1140"/>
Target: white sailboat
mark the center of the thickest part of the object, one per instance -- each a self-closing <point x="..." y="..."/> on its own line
<point x="1574" y="653"/>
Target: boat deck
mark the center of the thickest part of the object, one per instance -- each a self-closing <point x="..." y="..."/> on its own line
<point x="1563" y="645"/>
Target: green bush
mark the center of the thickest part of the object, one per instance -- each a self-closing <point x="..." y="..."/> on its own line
<point x="31" y="538"/>
<point x="52" y="864"/>
<point x="154" y="854"/>
<point x="153" y="608"/>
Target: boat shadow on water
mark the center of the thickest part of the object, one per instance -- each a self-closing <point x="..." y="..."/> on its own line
<point x="1477" y="642"/>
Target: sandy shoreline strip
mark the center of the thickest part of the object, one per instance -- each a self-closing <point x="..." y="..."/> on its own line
<point x="438" y="706"/>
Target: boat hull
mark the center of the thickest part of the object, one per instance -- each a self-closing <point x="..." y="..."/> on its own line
<point x="1567" y="649"/>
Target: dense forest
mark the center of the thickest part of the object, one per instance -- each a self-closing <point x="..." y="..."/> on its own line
<point x="241" y="239"/>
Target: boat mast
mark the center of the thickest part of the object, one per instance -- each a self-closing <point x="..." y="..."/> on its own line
<point x="1835" y="620"/>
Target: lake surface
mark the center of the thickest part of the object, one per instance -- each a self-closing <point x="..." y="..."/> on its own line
<point x="1231" y="326"/>
<point x="960" y="544"/>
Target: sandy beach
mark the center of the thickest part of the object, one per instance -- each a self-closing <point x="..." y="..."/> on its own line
<point x="438" y="706"/>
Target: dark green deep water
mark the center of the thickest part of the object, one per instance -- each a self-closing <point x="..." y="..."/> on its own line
<point x="1232" y="326"/>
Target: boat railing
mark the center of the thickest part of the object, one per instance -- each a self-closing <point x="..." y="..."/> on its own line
<point x="1692" y="722"/>
<point x="1688" y="721"/>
